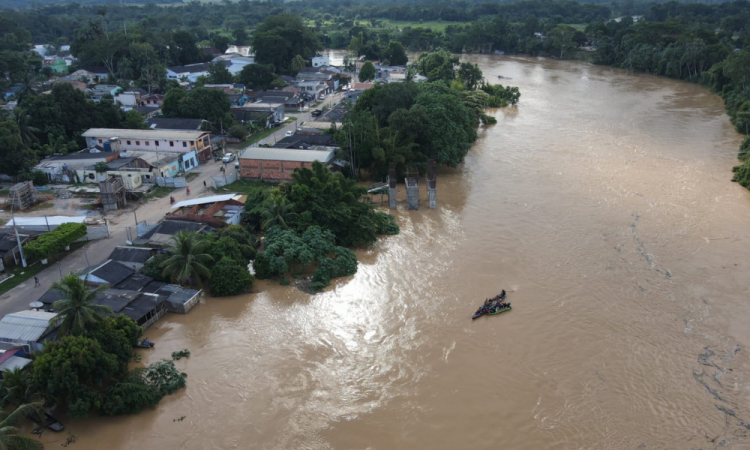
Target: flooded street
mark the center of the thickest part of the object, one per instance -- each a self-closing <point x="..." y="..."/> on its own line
<point x="602" y="203"/>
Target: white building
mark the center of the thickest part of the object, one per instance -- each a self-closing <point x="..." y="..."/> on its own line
<point x="175" y="141"/>
<point x="320" y="61"/>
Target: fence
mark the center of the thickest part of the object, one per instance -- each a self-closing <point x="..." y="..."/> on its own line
<point x="95" y="233"/>
<point x="171" y="182"/>
<point x="217" y="182"/>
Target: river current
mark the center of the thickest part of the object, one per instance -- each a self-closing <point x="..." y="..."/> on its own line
<point x="601" y="203"/>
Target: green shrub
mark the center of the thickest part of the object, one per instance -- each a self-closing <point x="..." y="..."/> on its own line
<point x="55" y="241"/>
<point x="745" y="149"/>
<point x="153" y="268"/>
<point x="229" y="277"/>
<point x="285" y="281"/>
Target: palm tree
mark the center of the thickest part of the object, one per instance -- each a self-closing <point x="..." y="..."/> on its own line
<point x="8" y="438"/>
<point x="18" y="387"/>
<point x="78" y="306"/>
<point x="276" y="212"/>
<point x="188" y="258"/>
<point x="28" y="132"/>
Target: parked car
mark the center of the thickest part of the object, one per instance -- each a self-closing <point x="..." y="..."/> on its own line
<point x="289" y="133"/>
<point x="322" y="96"/>
<point x="275" y="124"/>
<point x="229" y="157"/>
<point x="316" y="113"/>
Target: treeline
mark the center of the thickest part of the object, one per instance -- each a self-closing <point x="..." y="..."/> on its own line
<point x="411" y="123"/>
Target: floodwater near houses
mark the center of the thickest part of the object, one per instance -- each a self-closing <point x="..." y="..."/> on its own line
<point x="602" y="203"/>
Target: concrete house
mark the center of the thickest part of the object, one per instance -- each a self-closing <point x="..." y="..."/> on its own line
<point x="314" y="88"/>
<point x="278" y="164"/>
<point x="320" y="61"/>
<point x="101" y="90"/>
<point x="175" y="141"/>
<point x="64" y="168"/>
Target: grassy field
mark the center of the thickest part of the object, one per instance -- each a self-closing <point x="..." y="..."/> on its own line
<point x="245" y="187"/>
<point x="577" y="26"/>
<point x="435" y="25"/>
<point x="158" y="192"/>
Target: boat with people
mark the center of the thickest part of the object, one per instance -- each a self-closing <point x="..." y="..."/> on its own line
<point x="492" y="306"/>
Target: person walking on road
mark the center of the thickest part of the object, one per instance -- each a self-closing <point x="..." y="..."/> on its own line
<point x="36" y="281"/>
<point x="188" y="191"/>
<point x="204" y="183"/>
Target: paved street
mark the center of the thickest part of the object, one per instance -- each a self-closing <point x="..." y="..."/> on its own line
<point x="153" y="211"/>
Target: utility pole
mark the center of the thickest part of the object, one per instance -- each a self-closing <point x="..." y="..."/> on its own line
<point x="18" y="238"/>
<point x="223" y="144"/>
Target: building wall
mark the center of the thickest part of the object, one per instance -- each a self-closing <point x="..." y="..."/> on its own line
<point x="253" y="169"/>
<point x="202" y="145"/>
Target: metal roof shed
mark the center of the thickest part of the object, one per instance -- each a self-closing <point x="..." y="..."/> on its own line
<point x="27" y="328"/>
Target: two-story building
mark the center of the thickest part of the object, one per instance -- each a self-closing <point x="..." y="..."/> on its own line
<point x="174" y="141"/>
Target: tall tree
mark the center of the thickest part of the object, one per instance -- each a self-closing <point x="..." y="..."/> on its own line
<point x="367" y="72"/>
<point x="219" y="74"/>
<point x="188" y="258"/>
<point x="280" y="38"/>
<point x="78" y="306"/>
<point x="396" y="54"/>
<point x="298" y="63"/>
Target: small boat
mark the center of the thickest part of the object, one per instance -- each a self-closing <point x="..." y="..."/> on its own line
<point x="145" y="343"/>
<point x="50" y="422"/>
<point x="478" y="314"/>
<point x="500" y="311"/>
<point x="482" y="311"/>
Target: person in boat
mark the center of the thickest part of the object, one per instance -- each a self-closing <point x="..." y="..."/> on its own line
<point x="146" y="341"/>
<point x="502" y="294"/>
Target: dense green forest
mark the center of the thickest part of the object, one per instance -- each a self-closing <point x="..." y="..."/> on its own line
<point x="702" y="43"/>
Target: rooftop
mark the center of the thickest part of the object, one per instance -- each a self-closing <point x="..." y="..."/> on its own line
<point x="283" y="154"/>
<point x="86" y="155"/>
<point x="26" y="326"/>
<point x="203" y="200"/>
<point x="190" y="68"/>
<point x="112" y="272"/>
<point x="120" y="162"/>
<point x="131" y="254"/>
<point x="46" y="220"/>
<point x="174" y="124"/>
<point x="135" y="282"/>
<point x="144" y="134"/>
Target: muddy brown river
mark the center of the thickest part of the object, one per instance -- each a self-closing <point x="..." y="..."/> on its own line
<point x="602" y="203"/>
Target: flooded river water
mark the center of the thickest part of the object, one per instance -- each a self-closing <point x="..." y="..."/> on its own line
<point x="602" y="203"/>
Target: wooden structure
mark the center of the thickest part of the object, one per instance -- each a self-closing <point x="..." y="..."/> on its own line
<point x="23" y="195"/>
<point x="112" y="190"/>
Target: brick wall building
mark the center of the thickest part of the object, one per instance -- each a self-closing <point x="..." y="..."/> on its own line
<point x="278" y="164"/>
